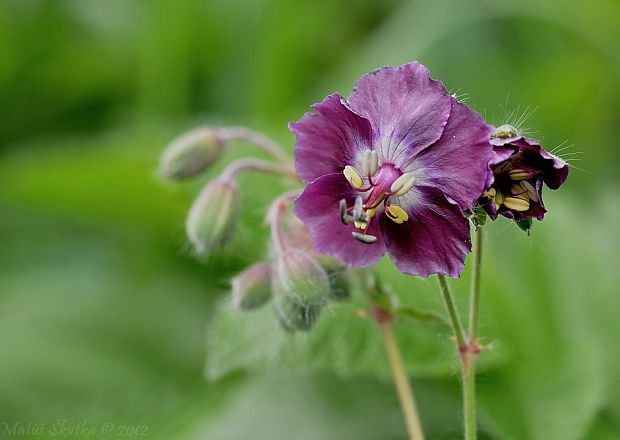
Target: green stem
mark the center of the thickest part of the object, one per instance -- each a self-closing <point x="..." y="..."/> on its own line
<point x="469" y="360"/>
<point x="448" y="301"/>
<point x="469" y="395"/>
<point x="474" y="294"/>
<point x="401" y="382"/>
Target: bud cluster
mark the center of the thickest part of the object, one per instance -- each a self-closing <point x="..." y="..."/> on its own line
<point x="298" y="281"/>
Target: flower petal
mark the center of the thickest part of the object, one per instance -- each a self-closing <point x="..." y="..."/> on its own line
<point x="329" y="139"/>
<point x="555" y="169"/>
<point x="435" y="239"/>
<point x="407" y="109"/>
<point x="318" y="208"/>
<point x="458" y="162"/>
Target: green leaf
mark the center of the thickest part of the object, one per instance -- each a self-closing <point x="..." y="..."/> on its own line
<point x="558" y="326"/>
<point x="422" y="315"/>
<point x="342" y="341"/>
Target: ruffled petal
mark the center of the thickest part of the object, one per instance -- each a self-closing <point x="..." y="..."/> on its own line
<point x="458" y="163"/>
<point x="435" y="239"/>
<point x="407" y="109"/>
<point x="328" y="140"/>
<point x="318" y="208"/>
<point x="499" y="155"/>
<point x="532" y="156"/>
<point x="555" y="169"/>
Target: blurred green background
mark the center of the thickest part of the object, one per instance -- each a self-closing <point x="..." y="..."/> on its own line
<point x="107" y="320"/>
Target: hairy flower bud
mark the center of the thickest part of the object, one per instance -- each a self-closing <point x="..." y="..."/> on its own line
<point x="298" y="276"/>
<point x="191" y="154"/>
<point x="297" y="236"/>
<point x="339" y="284"/>
<point x="252" y="287"/>
<point x="293" y="316"/>
<point x="213" y="215"/>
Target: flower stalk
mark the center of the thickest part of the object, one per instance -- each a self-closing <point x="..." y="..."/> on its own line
<point x="467" y="357"/>
<point x="473" y="347"/>
<point x="231" y="171"/>
<point x="453" y="315"/>
<point x="401" y="382"/>
<point x="381" y="311"/>
<point x="467" y="346"/>
<point x="474" y="298"/>
<point x="255" y="138"/>
<point x="469" y="395"/>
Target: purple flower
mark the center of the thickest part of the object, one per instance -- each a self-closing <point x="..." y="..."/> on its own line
<point x="519" y="168"/>
<point x="391" y="169"/>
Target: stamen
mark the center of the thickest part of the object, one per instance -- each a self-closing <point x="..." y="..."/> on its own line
<point x="402" y="185"/>
<point x="358" y="208"/>
<point x="396" y="214"/>
<point x="518" y="191"/>
<point x="371" y="162"/>
<point x="516" y="204"/>
<point x="360" y="224"/>
<point x="343" y="212"/>
<point x="499" y="200"/>
<point x="353" y="177"/>
<point x="519" y="174"/>
<point x="489" y="193"/>
<point x="364" y="238"/>
<point x="530" y="190"/>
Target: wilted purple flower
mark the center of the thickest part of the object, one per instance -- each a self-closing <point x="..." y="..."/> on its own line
<point x="519" y="168"/>
<point x="392" y="169"/>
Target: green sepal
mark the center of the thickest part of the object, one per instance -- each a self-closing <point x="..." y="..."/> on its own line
<point x="525" y="225"/>
<point x="478" y="216"/>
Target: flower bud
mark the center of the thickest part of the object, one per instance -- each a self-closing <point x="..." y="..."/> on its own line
<point x="213" y="215"/>
<point x="293" y="316"/>
<point x="191" y="154"/>
<point x="299" y="277"/>
<point x="297" y="235"/>
<point x="337" y="275"/>
<point x="252" y="287"/>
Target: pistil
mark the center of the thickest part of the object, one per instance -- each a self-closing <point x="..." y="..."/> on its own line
<point x="382" y="183"/>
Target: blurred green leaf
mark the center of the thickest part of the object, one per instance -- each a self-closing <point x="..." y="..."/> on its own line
<point x="320" y="406"/>
<point x="546" y="306"/>
<point x="342" y="341"/>
<point x="422" y="315"/>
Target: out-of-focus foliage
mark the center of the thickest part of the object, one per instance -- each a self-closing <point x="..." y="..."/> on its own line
<point x="103" y="309"/>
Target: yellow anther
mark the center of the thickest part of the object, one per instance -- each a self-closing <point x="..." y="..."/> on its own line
<point x="359" y="224"/>
<point x="353" y="177"/>
<point x="489" y="193"/>
<point x="519" y="174"/>
<point x="403" y="184"/>
<point x="516" y="203"/>
<point x="371" y="212"/>
<point x="499" y="199"/>
<point x="518" y="191"/>
<point x="531" y="191"/>
<point x="397" y="214"/>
